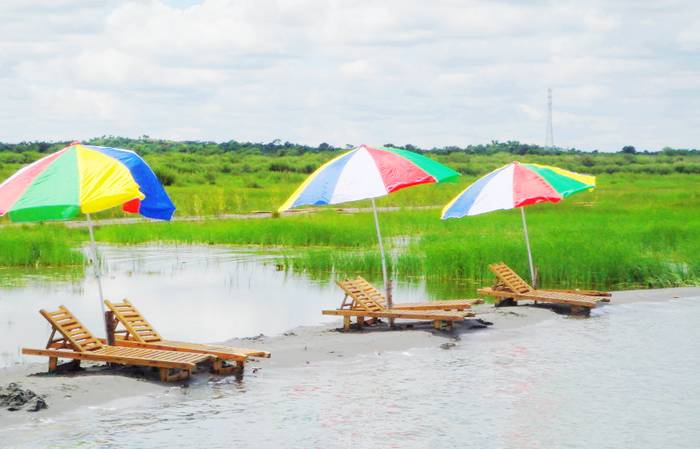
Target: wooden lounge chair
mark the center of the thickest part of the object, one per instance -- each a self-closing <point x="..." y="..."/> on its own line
<point x="511" y="288"/>
<point x="77" y="343"/>
<point x="365" y="303"/>
<point x="360" y="283"/>
<point x="137" y="332"/>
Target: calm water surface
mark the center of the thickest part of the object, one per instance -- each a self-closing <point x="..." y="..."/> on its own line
<point x="231" y="293"/>
<point x="625" y="378"/>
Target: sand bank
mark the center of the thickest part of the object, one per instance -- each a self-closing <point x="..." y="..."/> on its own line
<point x="298" y="347"/>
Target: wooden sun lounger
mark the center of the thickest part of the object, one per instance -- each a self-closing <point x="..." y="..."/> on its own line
<point x="511" y="288"/>
<point x="364" y="303"/>
<point x="77" y="343"/>
<point x="360" y="283"/>
<point x="136" y="331"/>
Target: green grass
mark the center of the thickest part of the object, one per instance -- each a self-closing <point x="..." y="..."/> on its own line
<point x="631" y="232"/>
<point x="39" y="246"/>
<point x="636" y="230"/>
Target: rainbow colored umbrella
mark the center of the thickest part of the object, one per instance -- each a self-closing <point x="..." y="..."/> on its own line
<point x="517" y="185"/>
<point x="87" y="179"/>
<point x="367" y="173"/>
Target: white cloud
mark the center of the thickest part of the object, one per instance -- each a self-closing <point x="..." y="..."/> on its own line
<point x="447" y="72"/>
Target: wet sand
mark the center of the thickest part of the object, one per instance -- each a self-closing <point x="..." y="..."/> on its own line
<point x="96" y="386"/>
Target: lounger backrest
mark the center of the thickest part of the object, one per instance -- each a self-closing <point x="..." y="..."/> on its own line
<point x="76" y="336"/>
<point x="362" y="298"/>
<point x="510" y="278"/>
<point x="371" y="291"/>
<point x="135" y="326"/>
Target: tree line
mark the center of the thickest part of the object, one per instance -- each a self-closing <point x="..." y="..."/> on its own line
<point x="145" y="145"/>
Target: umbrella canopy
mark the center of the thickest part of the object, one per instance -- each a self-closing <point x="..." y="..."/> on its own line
<point x="87" y="179"/>
<point x="367" y="172"/>
<point x="517" y="185"/>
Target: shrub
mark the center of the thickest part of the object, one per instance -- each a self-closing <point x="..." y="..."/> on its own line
<point x="165" y="176"/>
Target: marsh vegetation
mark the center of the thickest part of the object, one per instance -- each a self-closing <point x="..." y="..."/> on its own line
<point x="637" y="229"/>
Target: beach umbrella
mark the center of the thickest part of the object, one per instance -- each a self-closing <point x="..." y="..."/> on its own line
<point x="517" y="185"/>
<point x="367" y="173"/>
<point x="84" y="179"/>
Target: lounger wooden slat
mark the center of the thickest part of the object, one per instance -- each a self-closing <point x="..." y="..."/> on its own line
<point x="439" y="305"/>
<point x="512" y="287"/>
<point x="362" y="300"/>
<point x="113" y="358"/>
<point x="359" y="286"/>
<point x="77" y="343"/>
<point x="410" y="314"/>
<point x="144" y="335"/>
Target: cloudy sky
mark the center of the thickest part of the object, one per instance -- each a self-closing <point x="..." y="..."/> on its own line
<point x="430" y="73"/>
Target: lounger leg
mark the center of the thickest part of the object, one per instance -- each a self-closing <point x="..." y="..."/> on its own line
<point x="53" y="364"/>
<point x="346" y="322"/>
<point x="179" y="374"/>
<point x="220" y="367"/>
<point x="360" y="322"/>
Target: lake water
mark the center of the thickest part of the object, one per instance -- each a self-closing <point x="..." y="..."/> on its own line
<point x="627" y="377"/>
<point x="235" y="293"/>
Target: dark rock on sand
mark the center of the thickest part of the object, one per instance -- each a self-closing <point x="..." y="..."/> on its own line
<point x="448" y="345"/>
<point x="258" y="337"/>
<point x="14" y="397"/>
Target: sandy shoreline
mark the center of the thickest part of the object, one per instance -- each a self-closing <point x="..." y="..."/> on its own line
<point x="298" y="347"/>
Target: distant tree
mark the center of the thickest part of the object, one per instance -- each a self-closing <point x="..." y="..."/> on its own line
<point x="629" y="149"/>
<point x="412" y="147"/>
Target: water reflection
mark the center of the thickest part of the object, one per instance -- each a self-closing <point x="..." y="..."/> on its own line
<point x="202" y="294"/>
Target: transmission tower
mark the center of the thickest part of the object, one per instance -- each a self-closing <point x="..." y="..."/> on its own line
<point x="549" y="138"/>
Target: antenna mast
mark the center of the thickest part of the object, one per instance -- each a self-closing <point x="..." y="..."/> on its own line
<point x="549" y="138"/>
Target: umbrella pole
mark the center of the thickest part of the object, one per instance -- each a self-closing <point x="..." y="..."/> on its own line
<point x="387" y="290"/>
<point x="96" y="268"/>
<point x="529" y="252"/>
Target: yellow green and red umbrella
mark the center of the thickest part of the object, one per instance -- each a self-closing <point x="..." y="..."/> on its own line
<point x="87" y="179"/>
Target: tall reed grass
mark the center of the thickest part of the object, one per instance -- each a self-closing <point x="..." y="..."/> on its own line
<point x="633" y="231"/>
<point x="39" y="246"/>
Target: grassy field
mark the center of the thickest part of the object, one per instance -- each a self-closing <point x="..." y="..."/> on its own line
<point x="638" y="229"/>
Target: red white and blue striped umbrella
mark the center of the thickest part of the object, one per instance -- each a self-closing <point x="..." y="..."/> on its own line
<point x="367" y="173"/>
<point x="517" y="185"/>
<point x="364" y="173"/>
